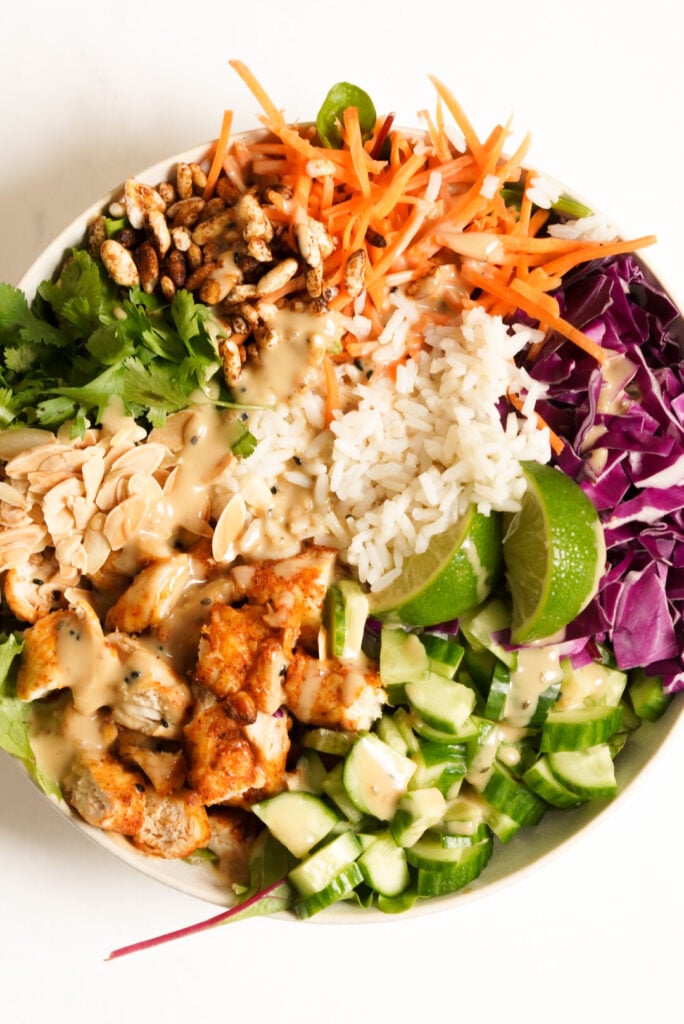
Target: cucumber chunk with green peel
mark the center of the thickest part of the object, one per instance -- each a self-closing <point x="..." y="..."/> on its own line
<point x="579" y="728"/>
<point x="334" y="788"/>
<point x="376" y="776"/>
<point x="383" y="866"/>
<point x="329" y="741"/>
<point x="416" y="812"/>
<point x="338" y="888"/>
<point x="482" y="626"/>
<point x="499" y="689"/>
<point x="297" y="820"/>
<point x="444" y="653"/>
<point x="450" y="876"/>
<point x="589" y="773"/>
<point x="591" y="684"/>
<point x="441" y="703"/>
<point x="647" y="696"/>
<point x="541" y="780"/>
<point x="320" y="868"/>
<point x="344" y="617"/>
<point x="403" y="658"/>
<point x="511" y="797"/>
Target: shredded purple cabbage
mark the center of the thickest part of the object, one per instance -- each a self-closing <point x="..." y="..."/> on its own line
<point x="629" y="459"/>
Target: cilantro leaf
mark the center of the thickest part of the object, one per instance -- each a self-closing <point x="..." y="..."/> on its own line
<point x="18" y="322"/>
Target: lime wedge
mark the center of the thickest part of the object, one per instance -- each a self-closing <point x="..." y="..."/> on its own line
<point x="554" y="553"/>
<point x="456" y="572"/>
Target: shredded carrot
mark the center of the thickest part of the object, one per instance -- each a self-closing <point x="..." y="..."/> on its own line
<point x="423" y="205"/>
<point x="517" y="300"/>
<point x="259" y="92"/>
<point x="459" y="116"/>
<point x="219" y="154"/>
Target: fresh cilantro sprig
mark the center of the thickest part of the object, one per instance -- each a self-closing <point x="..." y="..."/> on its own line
<point x="82" y="341"/>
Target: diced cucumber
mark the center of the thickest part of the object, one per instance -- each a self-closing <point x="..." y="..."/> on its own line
<point x="512" y="797"/>
<point x="333" y="787"/>
<point x="338" y="888"/>
<point x="441" y="703"/>
<point x="544" y="783"/>
<point x="646" y="693"/>
<point x="403" y="659"/>
<point x="578" y="728"/>
<point x="329" y="741"/>
<point x="383" y="866"/>
<point x="502" y="825"/>
<point x="457" y="839"/>
<point x="345" y="614"/>
<point x="444" y="653"/>
<point x="417" y="811"/>
<point x="376" y="776"/>
<point x="499" y="689"/>
<point x="482" y="626"/>
<point x="451" y="876"/>
<point x="591" y="684"/>
<point x="480" y="666"/>
<point x="389" y="732"/>
<point x="403" y="720"/>
<point x="545" y="702"/>
<point x="321" y="867"/>
<point x="308" y="774"/>
<point x="467" y="733"/>
<point x="439" y="764"/>
<point x="297" y="820"/>
<point x="589" y="773"/>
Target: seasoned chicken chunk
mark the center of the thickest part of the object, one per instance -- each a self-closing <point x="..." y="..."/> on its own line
<point x="230" y="762"/>
<point x="35" y="588"/>
<point x="292" y="588"/>
<point x="240" y="651"/>
<point x="165" y="769"/>
<point x="332" y="693"/>
<point x="151" y="596"/>
<point x="68" y="649"/>
<point x="106" y="794"/>
<point x="233" y="832"/>
<point x="173" y="826"/>
<point x="150" y="697"/>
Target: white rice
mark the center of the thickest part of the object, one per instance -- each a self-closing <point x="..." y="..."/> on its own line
<point x="404" y="460"/>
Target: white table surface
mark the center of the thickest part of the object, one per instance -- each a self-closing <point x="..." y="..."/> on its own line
<point x="92" y="92"/>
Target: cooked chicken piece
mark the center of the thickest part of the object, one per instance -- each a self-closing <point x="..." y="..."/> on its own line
<point x="332" y="693"/>
<point x="150" y="697"/>
<point x="35" y="588"/>
<point x="240" y="651"/>
<point x="106" y="794"/>
<point x="68" y="649"/>
<point x="180" y="632"/>
<point x="229" y="761"/>
<point x="290" y="587"/>
<point x="269" y="737"/>
<point x="173" y="826"/>
<point x="151" y="596"/>
<point x="233" y="832"/>
<point x="164" y="768"/>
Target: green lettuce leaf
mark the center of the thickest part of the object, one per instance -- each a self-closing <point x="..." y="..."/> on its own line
<point x="14" y="714"/>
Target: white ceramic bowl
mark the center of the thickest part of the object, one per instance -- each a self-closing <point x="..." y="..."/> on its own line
<point x="555" y="834"/>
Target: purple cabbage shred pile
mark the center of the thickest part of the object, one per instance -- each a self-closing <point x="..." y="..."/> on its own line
<point x="624" y="434"/>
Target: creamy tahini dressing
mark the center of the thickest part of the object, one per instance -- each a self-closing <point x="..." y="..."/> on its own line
<point x="616" y="373"/>
<point x="536" y="670"/>
<point x="284" y="367"/>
